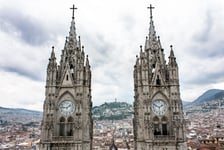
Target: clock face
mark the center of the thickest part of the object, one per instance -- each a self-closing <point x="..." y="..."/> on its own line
<point x="159" y="107"/>
<point x="66" y="107"/>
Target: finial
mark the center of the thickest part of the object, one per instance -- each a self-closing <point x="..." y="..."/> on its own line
<point x="73" y="10"/>
<point x="141" y="53"/>
<point x="52" y="53"/>
<point x="171" y="51"/>
<point x="151" y="7"/>
<point x="87" y="61"/>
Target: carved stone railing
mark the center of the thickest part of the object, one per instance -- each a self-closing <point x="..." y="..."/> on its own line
<point x="164" y="137"/>
<point x="62" y="138"/>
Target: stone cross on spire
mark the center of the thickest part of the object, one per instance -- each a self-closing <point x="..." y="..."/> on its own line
<point x="73" y="10"/>
<point x="151" y="7"/>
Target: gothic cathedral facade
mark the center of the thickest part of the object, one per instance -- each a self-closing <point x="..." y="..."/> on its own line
<point x="158" y="113"/>
<point x="67" y="119"/>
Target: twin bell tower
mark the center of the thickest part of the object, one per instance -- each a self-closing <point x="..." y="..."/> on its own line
<point x="158" y="121"/>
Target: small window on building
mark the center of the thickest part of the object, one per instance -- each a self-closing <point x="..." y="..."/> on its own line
<point x="62" y="126"/>
<point x="70" y="126"/>
<point x="158" y="81"/>
<point x="153" y="66"/>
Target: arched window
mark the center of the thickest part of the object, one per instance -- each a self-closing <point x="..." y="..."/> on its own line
<point x="70" y="126"/>
<point x="62" y="126"/>
<point x="156" y="126"/>
<point x="72" y="71"/>
<point x="158" y="81"/>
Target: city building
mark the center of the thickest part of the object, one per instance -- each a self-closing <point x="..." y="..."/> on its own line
<point x="158" y="122"/>
<point x="67" y="118"/>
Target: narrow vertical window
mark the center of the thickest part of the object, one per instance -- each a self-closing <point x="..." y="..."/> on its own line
<point x="62" y="126"/>
<point x="70" y="126"/>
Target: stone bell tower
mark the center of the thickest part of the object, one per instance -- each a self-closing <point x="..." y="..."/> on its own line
<point x="158" y="112"/>
<point x="67" y="119"/>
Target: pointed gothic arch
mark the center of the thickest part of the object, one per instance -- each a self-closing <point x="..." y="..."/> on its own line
<point x="162" y="96"/>
<point x="164" y="125"/>
<point x="161" y="93"/>
<point x="164" y="119"/>
<point x="156" y="119"/>
<point x="63" y="94"/>
<point x="156" y="126"/>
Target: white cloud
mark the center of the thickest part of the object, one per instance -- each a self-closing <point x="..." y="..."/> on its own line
<point x="20" y="92"/>
<point x="112" y="32"/>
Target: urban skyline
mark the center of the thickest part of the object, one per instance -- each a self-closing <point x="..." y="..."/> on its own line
<point x="112" y="40"/>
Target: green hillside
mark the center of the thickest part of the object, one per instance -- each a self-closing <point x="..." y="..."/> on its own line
<point x="112" y="111"/>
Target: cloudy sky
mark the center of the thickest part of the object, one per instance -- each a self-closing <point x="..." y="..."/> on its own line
<point x="111" y="31"/>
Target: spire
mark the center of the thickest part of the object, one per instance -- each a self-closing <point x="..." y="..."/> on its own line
<point x="172" y="58"/>
<point x="141" y="53"/>
<point x="137" y="60"/>
<point x="73" y="11"/>
<point x="52" y="54"/>
<point x="150" y="7"/>
<point x="160" y="46"/>
<point x="171" y="51"/>
<point x="152" y="32"/>
<point x="146" y="43"/>
<point x="72" y="33"/>
<point x="151" y="42"/>
<point x="52" y="60"/>
<point x="87" y="61"/>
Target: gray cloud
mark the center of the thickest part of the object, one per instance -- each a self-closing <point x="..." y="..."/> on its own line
<point x="98" y="49"/>
<point x="204" y="35"/>
<point x="26" y="27"/>
<point x="212" y="49"/>
<point x="207" y="42"/>
<point x="204" y="78"/>
<point x="21" y="71"/>
<point x="128" y="22"/>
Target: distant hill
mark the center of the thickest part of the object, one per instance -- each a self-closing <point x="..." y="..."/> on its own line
<point x="112" y="111"/>
<point x="19" y="115"/>
<point x="209" y="100"/>
<point x="185" y="103"/>
<point x="209" y="95"/>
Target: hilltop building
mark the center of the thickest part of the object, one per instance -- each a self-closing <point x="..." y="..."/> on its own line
<point x="158" y="112"/>
<point x="67" y="119"/>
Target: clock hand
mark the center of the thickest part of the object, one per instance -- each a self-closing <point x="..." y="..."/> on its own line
<point x="159" y="106"/>
<point x="155" y="105"/>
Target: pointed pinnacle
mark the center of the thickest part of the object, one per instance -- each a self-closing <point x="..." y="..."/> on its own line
<point x="171" y="51"/>
<point x="52" y="52"/>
